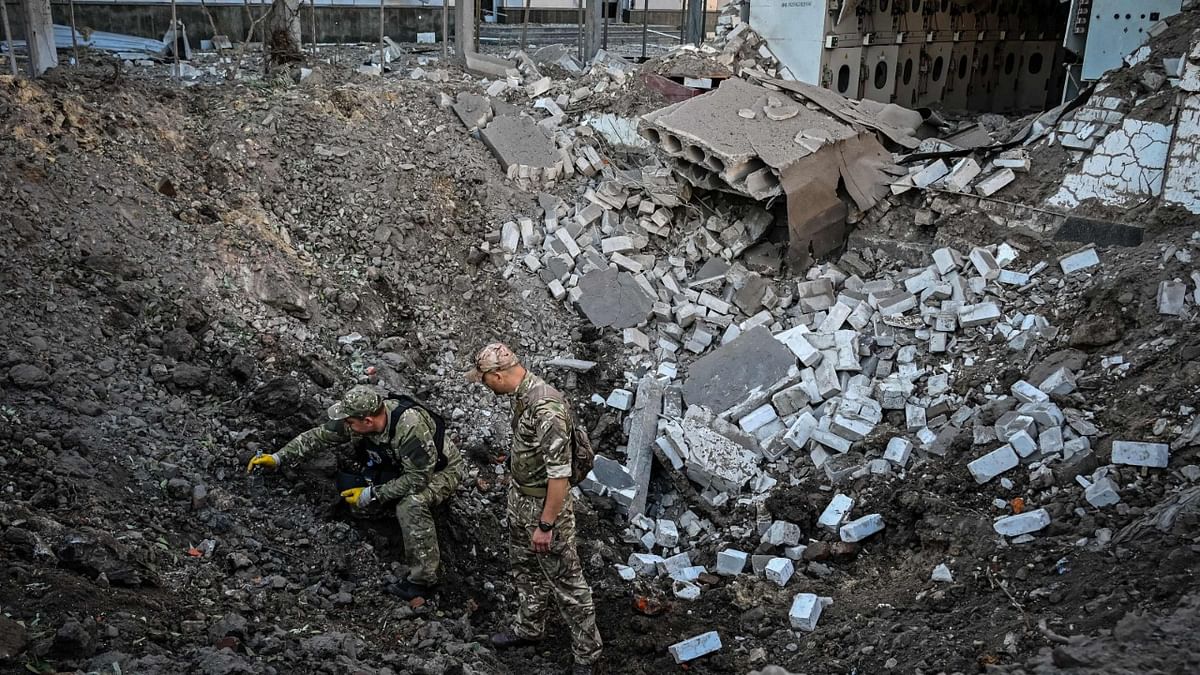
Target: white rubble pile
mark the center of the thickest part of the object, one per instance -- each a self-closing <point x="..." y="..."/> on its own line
<point x="864" y="353"/>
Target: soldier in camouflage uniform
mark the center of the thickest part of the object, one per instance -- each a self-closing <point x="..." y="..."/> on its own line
<point x="541" y="516"/>
<point x="407" y="461"/>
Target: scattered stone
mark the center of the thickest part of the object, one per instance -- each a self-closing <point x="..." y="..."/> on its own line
<point x="695" y="647"/>
<point x="1022" y="523"/>
<point x="942" y="574"/>
<point x="1155" y="455"/>
<point x="805" y="612"/>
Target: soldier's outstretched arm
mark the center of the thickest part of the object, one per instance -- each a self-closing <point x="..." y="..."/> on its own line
<point x="415" y="450"/>
<point x="328" y="435"/>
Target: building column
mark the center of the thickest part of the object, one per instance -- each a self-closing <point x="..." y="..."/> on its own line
<point x="39" y="34"/>
<point x="593" y="28"/>
<point x="464" y="27"/>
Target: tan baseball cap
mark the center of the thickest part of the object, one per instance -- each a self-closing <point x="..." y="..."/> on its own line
<point x="494" y="357"/>
<point x="360" y="401"/>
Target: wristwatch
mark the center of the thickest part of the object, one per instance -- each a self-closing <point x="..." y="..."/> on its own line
<point x="544" y="526"/>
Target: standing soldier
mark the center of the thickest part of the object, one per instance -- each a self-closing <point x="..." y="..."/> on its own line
<point x="406" y="459"/>
<point x="541" y="517"/>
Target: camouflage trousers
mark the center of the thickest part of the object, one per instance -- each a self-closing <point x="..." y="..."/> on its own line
<point x="415" y="515"/>
<point x="557" y="575"/>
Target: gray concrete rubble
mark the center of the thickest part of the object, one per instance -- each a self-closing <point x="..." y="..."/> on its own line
<point x="762" y="143"/>
<point x="748" y="366"/>
<point x="523" y="148"/>
<point x="739" y="380"/>
<point x="613" y="299"/>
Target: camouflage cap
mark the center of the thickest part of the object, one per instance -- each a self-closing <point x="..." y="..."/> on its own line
<point x="360" y="401"/>
<point x="494" y="357"/>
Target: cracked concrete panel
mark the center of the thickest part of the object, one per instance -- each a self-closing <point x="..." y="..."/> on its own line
<point x="614" y="299"/>
<point x="519" y="141"/>
<point x="754" y="361"/>
<point x="1127" y="166"/>
<point x="1183" y="166"/>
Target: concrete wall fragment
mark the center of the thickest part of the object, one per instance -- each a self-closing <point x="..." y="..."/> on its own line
<point x="1183" y="165"/>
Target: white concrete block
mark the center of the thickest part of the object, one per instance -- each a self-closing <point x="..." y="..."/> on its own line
<point x="970" y="316"/>
<point x="779" y="571"/>
<point x="666" y="533"/>
<point x="1079" y="260"/>
<point x="995" y="182"/>
<point x="685" y="590"/>
<point x="805" y="612"/>
<point x="621" y="399"/>
<point x="758" y="418"/>
<point x="1059" y="383"/>
<point x="965" y="170"/>
<point x="731" y="562"/>
<point x="898" y="451"/>
<point x="1027" y="393"/>
<point x="839" y="507"/>
<point x="782" y="533"/>
<point x="801" y="431"/>
<point x="1051" y="440"/>
<point x="984" y="262"/>
<point x="947" y="260"/>
<point x="1172" y="298"/>
<point x="861" y="528"/>
<point x="993" y="464"/>
<point x="1022" y="523"/>
<point x="645" y="564"/>
<point x="931" y="174"/>
<point x="1102" y="493"/>
<point x="1023" y="444"/>
<point x="1156" y="455"/>
<point x="942" y="574"/>
<point x="510" y="237"/>
<point x="795" y="340"/>
<point x="695" y="647"/>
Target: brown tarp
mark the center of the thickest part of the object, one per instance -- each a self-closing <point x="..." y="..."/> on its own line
<point x="816" y="214"/>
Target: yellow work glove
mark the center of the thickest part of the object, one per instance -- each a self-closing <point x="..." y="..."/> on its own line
<point x="358" y="497"/>
<point x="268" y="461"/>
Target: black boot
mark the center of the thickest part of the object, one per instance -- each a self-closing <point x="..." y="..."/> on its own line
<point x="408" y="590"/>
<point x="508" y="639"/>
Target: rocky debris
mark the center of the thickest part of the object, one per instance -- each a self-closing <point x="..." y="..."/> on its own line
<point x="910" y="362"/>
<point x="13" y="638"/>
<point x="694" y="648"/>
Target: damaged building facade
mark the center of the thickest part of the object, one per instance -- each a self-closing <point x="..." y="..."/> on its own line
<point x="956" y="54"/>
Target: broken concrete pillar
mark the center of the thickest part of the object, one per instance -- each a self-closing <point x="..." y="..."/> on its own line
<point x="464" y="29"/>
<point x="593" y="28"/>
<point x="643" y="432"/>
<point x="39" y="35"/>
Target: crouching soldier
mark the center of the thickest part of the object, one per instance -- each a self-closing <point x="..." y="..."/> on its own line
<point x="407" y="462"/>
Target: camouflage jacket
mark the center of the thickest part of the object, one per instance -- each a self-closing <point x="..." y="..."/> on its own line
<point x="541" y="437"/>
<point x="410" y="443"/>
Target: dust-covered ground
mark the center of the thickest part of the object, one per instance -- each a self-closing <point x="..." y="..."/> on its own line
<point x="189" y="275"/>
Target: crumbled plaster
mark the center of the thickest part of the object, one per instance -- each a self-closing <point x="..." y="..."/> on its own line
<point x="1183" y="177"/>
<point x="1183" y="167"/>
<point x="1125" y="167"/>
